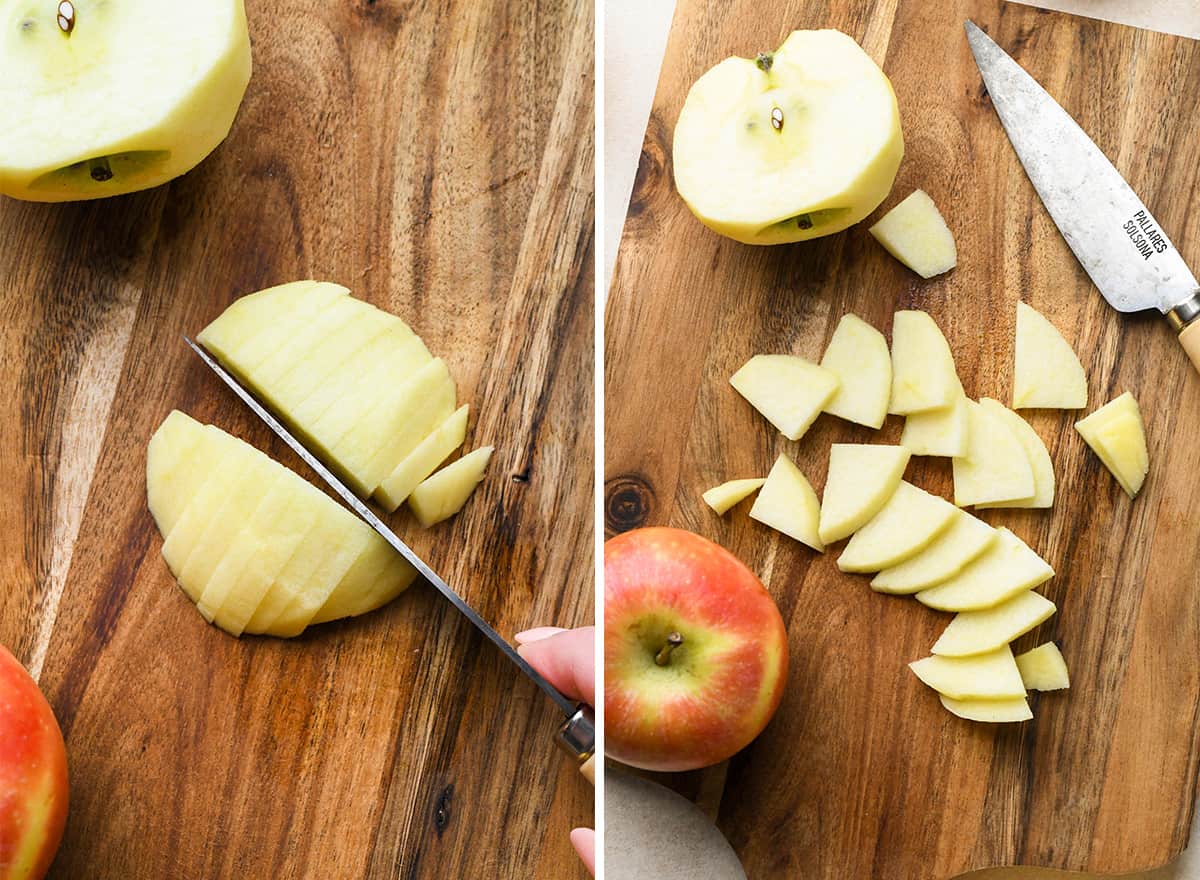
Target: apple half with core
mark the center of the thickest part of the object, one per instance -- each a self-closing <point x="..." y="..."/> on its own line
<point x="695" y="652"/>
<point x="105" y="97"/>
<point x="789" y="145"/>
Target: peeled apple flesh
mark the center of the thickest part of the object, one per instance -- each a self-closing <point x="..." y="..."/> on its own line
<point x="915" y="233"/>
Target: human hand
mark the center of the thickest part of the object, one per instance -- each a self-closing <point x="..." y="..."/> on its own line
<point x="567" y="659"/>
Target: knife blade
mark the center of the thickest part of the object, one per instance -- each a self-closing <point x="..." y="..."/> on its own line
<point x="1118" y="242"/>
<point x="577" y="735"/>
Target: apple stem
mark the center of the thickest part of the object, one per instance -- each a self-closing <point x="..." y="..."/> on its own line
<point x="764" y="60"/>
<point x="100" y="170"/>
<point x="66" y="17"/>
<point x="663" y="657"/>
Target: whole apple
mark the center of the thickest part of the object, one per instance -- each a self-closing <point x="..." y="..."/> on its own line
<point x="33" y="776"/>
<point x="695" y="651"/>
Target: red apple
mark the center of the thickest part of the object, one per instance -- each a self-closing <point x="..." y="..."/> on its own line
<point x="695" y="652"/>
<point x="33" y="776"/>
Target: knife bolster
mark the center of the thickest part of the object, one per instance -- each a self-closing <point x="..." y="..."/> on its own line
<point x="1185" y="313"/>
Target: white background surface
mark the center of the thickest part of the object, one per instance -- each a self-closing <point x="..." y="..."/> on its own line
<point x="635" y="38"/>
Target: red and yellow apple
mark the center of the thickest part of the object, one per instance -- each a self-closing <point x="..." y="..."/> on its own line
<point x="33" y="776"/>
<point x="695" y="651"/>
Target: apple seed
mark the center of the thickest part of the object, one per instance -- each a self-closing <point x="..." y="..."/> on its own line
<point x="66" y="16"/>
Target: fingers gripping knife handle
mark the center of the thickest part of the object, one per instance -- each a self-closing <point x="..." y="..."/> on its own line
<point x="1185" y="318"/>
<point x="577" y="737"/>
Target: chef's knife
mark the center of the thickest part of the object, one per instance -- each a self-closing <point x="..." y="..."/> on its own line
<point x="577" y="735"/>
<point x="1123" y="248"/>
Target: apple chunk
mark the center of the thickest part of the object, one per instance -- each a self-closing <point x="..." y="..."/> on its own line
<point x="960" y="544"/>
<point x="423" y="460"/>
<point x="978" y="632"/>
<point x="858" y="355"/>
<point x="789" y="391"/>
<point x="1116" y="434"/>
<point x="943" y="432"/>
<point x="923" y="372"/>
<point x="721" y="498"/>
<point x="990" y="676"/>
<point x="989" y="711"/>
<point x="444" y="494"/>
<point x="1047" y="373"/>
<point x="1006" y="568"/>
<point x="996" y="467"/>
<point x="915" y="233"/>
<point x="1043" y="668"/>
<point x="1035" y="452"/>
<point x="786" y="502"/>
<point x="861" y="479"/>
<point x="907" y="524"/>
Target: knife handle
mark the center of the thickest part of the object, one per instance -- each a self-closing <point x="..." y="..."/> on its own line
<point x="1185" y="320"/>
<point x="588" y="769"/>
<point x="1189" y="338"/>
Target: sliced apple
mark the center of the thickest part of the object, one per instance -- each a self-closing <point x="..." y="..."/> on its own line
<point x="996" y="467"/>
<point x="442" y="495"/>
<point x="1044" y="669"/>
<point x="942" y="432"/>
<point x="964" y="541"/>
<point x="991" y="676"/>
<point x="789" y="391"/>
<point x="989" y="711"/>
<point x="1006" y="568"/>
<point x="978" y="632"/>
<point x="907" y="524"/>
<point x="1116" y="434"/>
<point x="721" y="498"/>
<point x="858" y="355"/>
<point x="1047" y="373"/>
<point x="915" y="233"/>
<point x="423" y="460"/>
<point x="923" y="372"/>
<point x="786" y="502"/>
<point x="860" y="481"/>
<point x="1035" y="452"/>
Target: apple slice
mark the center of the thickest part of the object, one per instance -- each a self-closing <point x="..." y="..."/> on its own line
<point x="1008" y="567"/>
<point x="786" y="502"/>
<point x="990" y="711"/>
<point x="907" y="524"/>
<point x="942" y="432"/>
<point x="176" y="464"/>
<point x="860" y="481"/>
<point x="923" y="372"/>
<point x="1047" y="374"/>
<point x="1035" y="452"/>
<point x="915" y="233"/>
<point x="441" y="496"/>
<point x="370" y="583"/>
<point x="996" y="466"/>
<point x="423" y="461"/>
<point x="789" y="391"/>
<point x="1043" y="668"/>
<point x="334" y="568"/>
<point x="1116" y="434"/>
<point x="990" y="676"/>
<point x="978" y="632"/>
<point x="858" y="356"/>
<point x="721" y="498"/>
<point x="964" y="541"/>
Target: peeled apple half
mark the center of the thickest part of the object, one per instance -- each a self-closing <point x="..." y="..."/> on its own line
<point x="790" y="145"/>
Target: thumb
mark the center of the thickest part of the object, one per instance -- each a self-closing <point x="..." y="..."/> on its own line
<point x="567" y="660"/>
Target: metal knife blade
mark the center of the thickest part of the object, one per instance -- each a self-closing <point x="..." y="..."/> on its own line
<point x="1121" y="246"/>
<point x="568" y="707"/>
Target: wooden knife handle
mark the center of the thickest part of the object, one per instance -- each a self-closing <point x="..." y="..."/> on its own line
<point x="588" y="769"/>
<point x="1189" y="338"/>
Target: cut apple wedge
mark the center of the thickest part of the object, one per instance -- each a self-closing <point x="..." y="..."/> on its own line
<point x="1116" y="434"/>
<point x="423" y="460"/>
<point x="991" y="676"/>
<point x="941" y="432"/>
<point x="964" y="541"/>
<point x="1047" y="373"/>
<point x="907" y="524"/>
<point x="858" y="356"/>
<point x="978" y="632"/>
<point x="923" y="372"/>
<point x="1008" y="567"/>
<point x="788" y="391"/>
<point x="915" y="233"/>
<point x="1035" y="453"/>
<point x="721" y="498"/>
<point x="441" y="496"/>
<point x="996" y="467"/>
<point x="860" y="481"/>
<point x="786" y="502"/>
<point x="1043" y="668"/>
<point x="989" y="711"/>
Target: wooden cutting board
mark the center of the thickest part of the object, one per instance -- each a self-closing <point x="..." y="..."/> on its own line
<point x="862" y="773"/>
<point x="437" y="159"/>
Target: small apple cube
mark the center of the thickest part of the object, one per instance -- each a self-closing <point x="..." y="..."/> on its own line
<point x="989" y="711"/>
<point x="721" y="498"/>
<point x="441" y="496"/>
<point x="907" y="524"/>
<point x="915" y="233"/>
<point x="858" y="355"/>
<point x="786" y="502"/>
<point x="1008" y="567"/>
<point x="923" y="372"/>
<point x="1044" y="669"/>
<point x="996" y="467"/>
<point x="1116" y="434"/>
<point x="1035" y="452"/>
<point x="978" y="632"/>
<point x="861" y="480"/>
<point x="990" y="676"/>
<point x="966" y="539"/>
<point x="1047" y="373"/>
<point x="789" y="391"/>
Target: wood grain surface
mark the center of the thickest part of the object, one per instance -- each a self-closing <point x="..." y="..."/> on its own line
<point x="862" y="773"/>
<point x="437" y="158"/>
